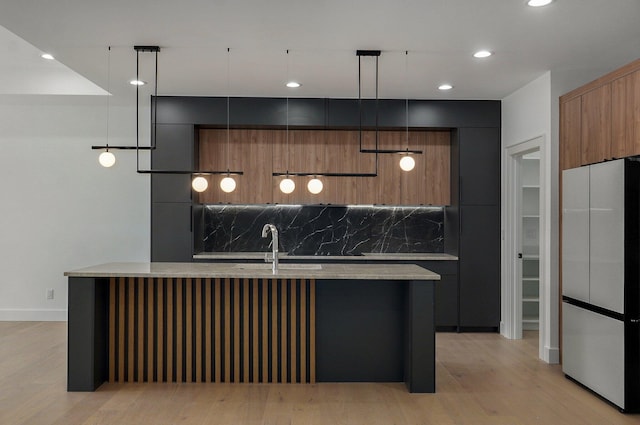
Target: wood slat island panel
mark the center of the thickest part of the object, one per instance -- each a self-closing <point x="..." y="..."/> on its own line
<point x="245" y="317"/>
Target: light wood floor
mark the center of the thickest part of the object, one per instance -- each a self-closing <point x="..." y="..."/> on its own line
<point x="481" y="379"/>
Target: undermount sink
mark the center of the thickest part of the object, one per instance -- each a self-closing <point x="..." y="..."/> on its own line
<point x="268" y="266"/>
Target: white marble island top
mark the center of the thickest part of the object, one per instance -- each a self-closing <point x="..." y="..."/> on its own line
<point x="366" y="256"/>
<point x="258" y="271"/>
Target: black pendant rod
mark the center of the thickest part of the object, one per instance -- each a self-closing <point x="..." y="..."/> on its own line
<point x="138" y="148"/>
<point x="359" y="53"/>
<point x="377" y="149"/>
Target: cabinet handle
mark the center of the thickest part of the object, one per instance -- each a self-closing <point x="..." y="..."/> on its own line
<point x="519" y="255"/>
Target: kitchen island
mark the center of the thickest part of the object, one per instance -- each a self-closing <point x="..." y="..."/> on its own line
<point x="239" y="322"/>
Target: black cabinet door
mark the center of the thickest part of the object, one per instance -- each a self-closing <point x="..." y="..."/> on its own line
<point x="191" y="110"/>
<point x="479" y="266"/>
<point x="479" y="150"/>
<point x="174" y="152"/>
<point x="446" y="293"/>
<point x="171" y="232"/>
<point x="447" y="302"/>
<point x="174" y="147"/>
<point x="307" y="112"/>
<point x="390" y="113"/>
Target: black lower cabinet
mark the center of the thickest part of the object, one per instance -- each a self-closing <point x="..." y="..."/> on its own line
<point x="446" y="293"/>
<point x="479" y="268"/>
<point x="447" y="303"/>
<point x="351" y="321"/>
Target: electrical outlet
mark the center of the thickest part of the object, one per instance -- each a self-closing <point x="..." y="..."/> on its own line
<point x="50" y="293"/>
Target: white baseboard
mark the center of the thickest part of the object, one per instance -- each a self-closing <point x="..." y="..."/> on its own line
<point x="552" y="355"/>
<point x="32" y="315"/>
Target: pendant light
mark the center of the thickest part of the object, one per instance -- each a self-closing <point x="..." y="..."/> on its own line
<point x="107" y="159"/>
<point x="199" y="184"/>
<point x="287" y="185"/>
<point x="407" y="163"/>
<point x="315" y="186"/>
<point x="228" y="184"/>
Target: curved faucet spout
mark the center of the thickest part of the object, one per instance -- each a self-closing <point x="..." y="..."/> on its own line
<point x="270" y="228"/>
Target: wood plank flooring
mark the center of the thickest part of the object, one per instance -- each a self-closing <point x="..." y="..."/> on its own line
<point x="481" y="379"/>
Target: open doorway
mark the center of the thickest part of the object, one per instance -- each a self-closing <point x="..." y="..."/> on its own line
<point x="524" y="304"/>
<point x="529" y="241"/>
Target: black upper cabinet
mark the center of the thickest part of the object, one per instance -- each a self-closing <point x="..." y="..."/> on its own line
<point x="479" y="167"/>
<point x="262" y="111"/>
<point x="333" y="113"/>
<point x="307" y="112"/>
<point x="391" y="113"/>
<point x="174" y="152"/>
<point x="174" y="148"/>
<point x="266" y="112"/>
<point x="190" y="110"/>
<point x="454" y="113"/>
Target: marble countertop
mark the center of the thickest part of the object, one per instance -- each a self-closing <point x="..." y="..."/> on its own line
<point x="258" y="271"/>
<point x="367" y="256"/>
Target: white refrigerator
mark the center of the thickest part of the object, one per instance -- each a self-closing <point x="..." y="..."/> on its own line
<point x="601" y="280"/>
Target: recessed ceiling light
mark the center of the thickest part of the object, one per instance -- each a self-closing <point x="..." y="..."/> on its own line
<point x="482" y="54"/>
<point x="538" y="3"/>
<point x="137" y="83"/>
<point x="47" y="56"/>
<point x="293" y="84"/>
<point x="445" y="87"/>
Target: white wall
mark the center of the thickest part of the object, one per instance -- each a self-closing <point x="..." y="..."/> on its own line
<point x="526" y="115"/>
<point x="59" y="209"/>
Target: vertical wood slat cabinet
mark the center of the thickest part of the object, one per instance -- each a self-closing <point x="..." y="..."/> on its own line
<point x="571" y="133"/>
<point x="596" y="125"/>
<point x="625" y="116"/>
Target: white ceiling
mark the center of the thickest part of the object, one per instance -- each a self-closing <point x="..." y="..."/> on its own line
<point x="322" y="36"/>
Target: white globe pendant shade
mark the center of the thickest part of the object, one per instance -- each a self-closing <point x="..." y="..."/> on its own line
<point x="315" y="186"/>
<point x="107" y="159"/>
<point x="287" y="185"/>
<point x="199" y="184"/>
<point x="407" y="163"/>
<point x="228" y="184"/>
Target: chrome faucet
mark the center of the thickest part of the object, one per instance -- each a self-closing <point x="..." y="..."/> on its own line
<point x="274" y="245"/>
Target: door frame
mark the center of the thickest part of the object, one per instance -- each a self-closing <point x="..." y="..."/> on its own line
<point x="511" y="299"/>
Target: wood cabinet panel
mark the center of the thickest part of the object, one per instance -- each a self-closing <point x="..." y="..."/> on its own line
<point x="260" y="152"/>
<point x="246" y="150"/>
<point x="596" y="125"/>
<point x="571" y="133"/>
<point x="625" y="116"/>
<point x="434" y="185"/>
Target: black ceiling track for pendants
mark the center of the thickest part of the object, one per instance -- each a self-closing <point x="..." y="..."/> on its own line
<point x="137" y="147"/>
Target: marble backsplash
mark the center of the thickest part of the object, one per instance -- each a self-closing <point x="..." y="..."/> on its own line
<point x="324" y="230"/>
